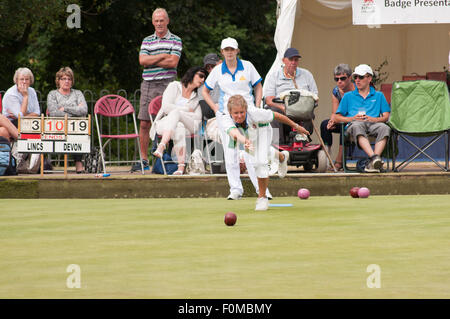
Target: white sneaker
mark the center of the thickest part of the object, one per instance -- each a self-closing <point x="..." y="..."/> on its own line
<point x="234" y="196"/>
<point x="262" y="203"/>
<point x="282" y="169"/>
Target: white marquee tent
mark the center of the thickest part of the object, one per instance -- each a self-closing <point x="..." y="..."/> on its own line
<point x="323" y="32"/>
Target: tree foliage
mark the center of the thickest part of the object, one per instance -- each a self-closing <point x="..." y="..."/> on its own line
<point x="104" y="51"/>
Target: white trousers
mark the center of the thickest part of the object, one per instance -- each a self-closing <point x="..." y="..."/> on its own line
<point x="231" y="156"/>
<point x="181" y="124"/>
<point x="262" y="144"/>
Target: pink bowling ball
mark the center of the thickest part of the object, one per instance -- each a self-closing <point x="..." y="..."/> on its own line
<point x="363" y="192"/>
<point x="303" y="193"/>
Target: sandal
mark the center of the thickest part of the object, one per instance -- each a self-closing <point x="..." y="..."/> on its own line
<point x="159" y="153"/>
<point x="179" y="172"/>
<point x="338" y="166"/>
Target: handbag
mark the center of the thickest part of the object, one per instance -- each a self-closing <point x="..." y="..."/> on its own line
<point x="299" y="107"/>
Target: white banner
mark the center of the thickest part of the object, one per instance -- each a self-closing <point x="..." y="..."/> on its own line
<point x="376" y="12"/>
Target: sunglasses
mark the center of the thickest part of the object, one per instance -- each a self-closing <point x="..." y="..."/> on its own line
<point x="361" y="77"/>
<point x="342" y="78"/>
<point x="201" y="75"/>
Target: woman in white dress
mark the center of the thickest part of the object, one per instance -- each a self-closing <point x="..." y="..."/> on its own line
<point x="180" y="114"/>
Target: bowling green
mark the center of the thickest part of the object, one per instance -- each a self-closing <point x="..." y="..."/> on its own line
<point x="322" y="247"/>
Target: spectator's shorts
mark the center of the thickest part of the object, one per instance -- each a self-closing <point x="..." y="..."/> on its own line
<point x="366" y="129"/>
<point x="150" y="90"/>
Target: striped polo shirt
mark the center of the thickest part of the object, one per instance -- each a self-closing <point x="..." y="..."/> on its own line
<point x="152" y="45"/>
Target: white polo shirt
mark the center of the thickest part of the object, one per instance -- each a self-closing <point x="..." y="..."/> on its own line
<point x="241" y="82"/>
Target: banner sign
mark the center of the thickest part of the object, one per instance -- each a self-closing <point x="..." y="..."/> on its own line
<point x="376" y="12"/>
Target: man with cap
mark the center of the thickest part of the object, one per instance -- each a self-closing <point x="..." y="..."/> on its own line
<point x="365" y="112"/>
<point x="288" y="77"/>
<point x="209" y="62"/>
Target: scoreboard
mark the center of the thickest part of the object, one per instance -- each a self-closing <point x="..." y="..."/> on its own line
<point x="54" y="135"/>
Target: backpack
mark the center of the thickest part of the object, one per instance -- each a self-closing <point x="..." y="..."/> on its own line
<point x="170" y="166"/>
<point x="7" y="161"/>
<point x="28" y="163"/>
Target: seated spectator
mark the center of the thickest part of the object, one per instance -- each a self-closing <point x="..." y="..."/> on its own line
<point x="366" y="111"/>
<point x="343" y="78"/>
<point x="209" y="62"/>
<point x="288" y="77"/>
<point x="7" y="129"/>
<point x="180" y="114"/>
<point x="67" y="101"/>
<point x="21" y="99"/>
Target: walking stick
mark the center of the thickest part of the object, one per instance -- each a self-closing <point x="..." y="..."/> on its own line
<point x="323" y="146"/>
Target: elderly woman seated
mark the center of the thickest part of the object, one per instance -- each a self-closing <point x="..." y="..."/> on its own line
<point x="21" y="99"/>
<point x="180" y="114"/>
<point x="67" y="101"/>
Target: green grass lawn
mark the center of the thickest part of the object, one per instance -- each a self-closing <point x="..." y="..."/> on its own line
<point x="181" y="248"/>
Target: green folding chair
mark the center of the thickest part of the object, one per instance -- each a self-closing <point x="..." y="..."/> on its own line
<point x="420" y="109"/>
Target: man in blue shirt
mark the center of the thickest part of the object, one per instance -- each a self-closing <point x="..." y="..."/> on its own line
<point x="366" y="111"/>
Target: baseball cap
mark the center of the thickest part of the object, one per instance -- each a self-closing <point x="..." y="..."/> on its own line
<point x="363" y="69"/>
<point x="229" y="43"/>
<point x="210" y="58"/>
<point x="291" y="52"/>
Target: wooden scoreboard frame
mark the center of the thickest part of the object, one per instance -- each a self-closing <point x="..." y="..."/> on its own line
<point x="57" y="135"/>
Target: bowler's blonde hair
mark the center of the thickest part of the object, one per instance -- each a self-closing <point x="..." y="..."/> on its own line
<point x="236" y="100"/>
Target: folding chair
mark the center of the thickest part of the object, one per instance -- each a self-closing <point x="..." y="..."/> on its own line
<point x="420" y="112"/>
<point x="153" y="108"/>
<point x="193" y="140"/>
<point x="386" y="89"/>
<point x="413" y="77"/>
<point x="115" y="106"/>
<point x="211" y="144"/>
<point x="437" y="76"/>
